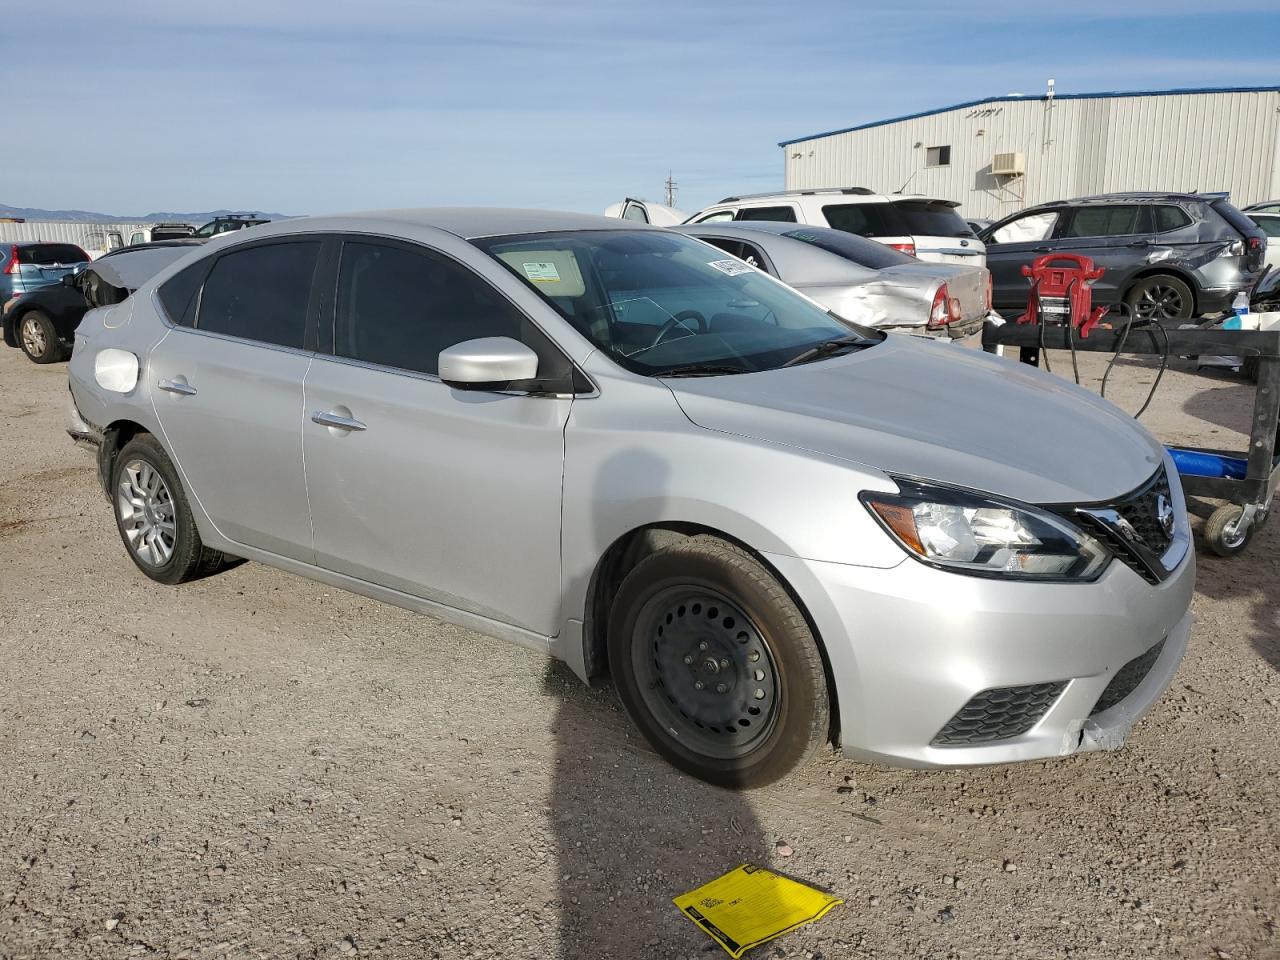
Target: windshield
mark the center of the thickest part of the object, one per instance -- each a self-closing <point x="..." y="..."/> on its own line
<point x="866" y="253"/>
<point x="662" y="304"/>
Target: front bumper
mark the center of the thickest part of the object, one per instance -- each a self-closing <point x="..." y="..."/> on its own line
<point x="910" y="646"/>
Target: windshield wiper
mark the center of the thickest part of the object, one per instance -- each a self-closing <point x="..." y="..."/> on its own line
<point x="828" y="348"/>
<point x="698" y="370"/>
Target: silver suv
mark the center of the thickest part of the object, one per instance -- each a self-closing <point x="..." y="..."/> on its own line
<point x="616" y="445"/>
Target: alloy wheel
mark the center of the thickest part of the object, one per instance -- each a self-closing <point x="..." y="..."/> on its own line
<point x="1159" y="302"/>
<point x="706" y="671"/>
<point x="33" y="338"/>
<point x="147" y="519"/>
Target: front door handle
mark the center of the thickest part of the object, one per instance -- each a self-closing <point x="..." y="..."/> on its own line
<point x="1137" y="243"/>
<point x="1041" y="250"/>
<point x="326" y="419"/>
<point x="180" y="387"/>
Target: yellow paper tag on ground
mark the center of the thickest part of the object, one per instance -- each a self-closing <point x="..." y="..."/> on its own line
<point x="750" y="906"/>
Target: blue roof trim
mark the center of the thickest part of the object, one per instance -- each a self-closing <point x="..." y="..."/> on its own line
<point x="1014" y="99"/>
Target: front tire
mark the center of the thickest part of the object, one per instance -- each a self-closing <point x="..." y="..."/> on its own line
<point x="1161" y="299"/>
<point x="716" y="664"/>
<point x="153" y="516"/>
<point x="38" y="338"/>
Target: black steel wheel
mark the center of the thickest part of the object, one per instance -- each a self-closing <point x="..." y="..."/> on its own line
<point x="1160" y="299"/>
<point x="717" y="665"/>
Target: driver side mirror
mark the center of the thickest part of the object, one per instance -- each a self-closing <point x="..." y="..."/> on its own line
<point x="487" y="363"/>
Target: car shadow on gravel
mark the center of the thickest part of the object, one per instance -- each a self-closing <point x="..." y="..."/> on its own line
<point x="631" y="832"/>
<point x="1242" y="582"/>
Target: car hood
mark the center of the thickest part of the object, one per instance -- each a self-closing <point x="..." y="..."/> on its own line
<point x="941" y="412"/>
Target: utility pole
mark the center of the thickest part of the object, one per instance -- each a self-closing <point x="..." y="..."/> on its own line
<point x="671" y="190"/>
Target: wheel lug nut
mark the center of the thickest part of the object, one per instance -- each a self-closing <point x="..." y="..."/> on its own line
<point x="753" y="656"/>
<point x="722" y="688"/>
<point x="724" y="664"/>
<point x="688" y="659"/>
<point x="702" y="645"/>
<point x="697" y="684"/>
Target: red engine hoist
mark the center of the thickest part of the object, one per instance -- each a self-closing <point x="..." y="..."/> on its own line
<point x="1063" y="294"/>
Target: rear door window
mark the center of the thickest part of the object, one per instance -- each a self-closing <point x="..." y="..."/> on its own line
<point x="1105" y="220"/>
<point x="261" y="293"/>
<point x="773" y="214"/>
<point x="49" y="254"/>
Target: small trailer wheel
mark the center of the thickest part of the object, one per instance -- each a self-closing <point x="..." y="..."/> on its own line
<point x="1223" y="532"/>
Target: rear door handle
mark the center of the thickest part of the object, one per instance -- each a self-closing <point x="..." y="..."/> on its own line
<point x="326" y="419"/>
<point x="1041" y="250"/>
<point x="1137" y="243"/>
<point x="180" y="387"/>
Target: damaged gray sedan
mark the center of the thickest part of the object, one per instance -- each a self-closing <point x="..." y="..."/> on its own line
<point x="858" y="279"/>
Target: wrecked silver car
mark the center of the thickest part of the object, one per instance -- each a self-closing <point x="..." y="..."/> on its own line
<point x="858" y="279"/>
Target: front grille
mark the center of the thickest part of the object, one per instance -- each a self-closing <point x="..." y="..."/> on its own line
<point x="1141" y="510"/>
<point x="1131" y="526"/>
<point x="1127" y="679"/>
<point x="998" y="714"/>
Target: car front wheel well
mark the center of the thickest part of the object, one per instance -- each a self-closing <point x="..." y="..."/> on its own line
<point x="621" y="558"/>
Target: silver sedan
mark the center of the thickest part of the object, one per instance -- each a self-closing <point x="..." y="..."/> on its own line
<point x="859" y="279"/>
<point x="621" y="447"/>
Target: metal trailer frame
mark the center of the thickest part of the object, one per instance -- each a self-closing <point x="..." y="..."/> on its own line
<point x="1249" y="500"/>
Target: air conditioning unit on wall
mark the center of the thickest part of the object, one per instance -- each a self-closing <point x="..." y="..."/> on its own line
<point x="1009" y="165"/>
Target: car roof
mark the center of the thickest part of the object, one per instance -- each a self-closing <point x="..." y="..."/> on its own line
<point x="469" y="223"/>
<point x="869" y="196"/>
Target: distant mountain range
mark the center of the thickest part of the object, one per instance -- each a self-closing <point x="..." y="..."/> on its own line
<point x="88" y="216"/>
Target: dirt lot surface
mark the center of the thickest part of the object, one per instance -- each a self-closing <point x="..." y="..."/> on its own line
<point x="255" y="765"/>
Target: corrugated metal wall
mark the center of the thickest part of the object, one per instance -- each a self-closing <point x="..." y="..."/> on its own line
<point x="1073" y="147"/>
<point x="88" y="236"/>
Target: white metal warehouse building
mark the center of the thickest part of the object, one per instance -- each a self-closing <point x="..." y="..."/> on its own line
<point x="997" y="155"/>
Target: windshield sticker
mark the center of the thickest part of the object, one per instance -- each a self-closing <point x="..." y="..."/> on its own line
<point x="731" y="267"/>
<point x="541" y="272"/>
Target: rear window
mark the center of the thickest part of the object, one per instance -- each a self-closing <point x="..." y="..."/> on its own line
<point x="866" y="253"/>
<point x="920" y="218"/>
<point x="1229" y="213"/>
<point x="47" y="254"/>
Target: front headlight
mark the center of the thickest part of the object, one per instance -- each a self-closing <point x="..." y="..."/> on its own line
<point x="986" y="536"/>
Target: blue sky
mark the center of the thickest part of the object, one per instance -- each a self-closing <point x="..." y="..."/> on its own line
<point x="308" y="106"/>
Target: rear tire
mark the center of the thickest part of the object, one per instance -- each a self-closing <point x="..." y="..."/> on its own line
<point x="154" y="518"/>
<point x="716" y="664"/>
<point x="38" y="339"/>
<point x="1161" y="298"/>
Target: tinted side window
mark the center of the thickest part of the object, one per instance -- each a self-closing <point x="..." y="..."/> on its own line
<point x="178" y="293"/>
<point x="857" y="218"/>
<point x="780" y="214"/>
<point x="1170" y="218"/>
<point x="717" y="217"/>
<point x="634" y="211"/>
<point x="261" y="293"/>
<point x="399" y="307"/>
<point x="1105" y="221"/>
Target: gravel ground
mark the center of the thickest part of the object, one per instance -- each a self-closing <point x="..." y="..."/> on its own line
<point x="255" y="765"/>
